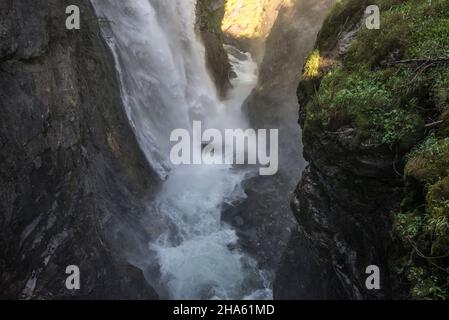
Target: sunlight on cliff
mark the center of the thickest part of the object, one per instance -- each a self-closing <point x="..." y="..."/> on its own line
<point x="251" y="19"/>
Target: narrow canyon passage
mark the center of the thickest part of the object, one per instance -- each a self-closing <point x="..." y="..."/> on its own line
<point x="199" y="256"/>
<point x="165" y="86"/>
<point x="223" y="228"/>
<point x="224" y="150"/>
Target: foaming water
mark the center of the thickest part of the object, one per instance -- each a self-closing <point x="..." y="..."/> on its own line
<point x="200" y="258"/>
<point x="161" y="67"/>
<point x="165" y="86"/>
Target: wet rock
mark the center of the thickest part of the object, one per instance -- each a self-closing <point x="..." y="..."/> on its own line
<point x="65" y="191"/>
<point x="37" y="162"/>
<point x="209" y="16"/>
<point x="342" y="204"/>
<point x="273" y="105"/>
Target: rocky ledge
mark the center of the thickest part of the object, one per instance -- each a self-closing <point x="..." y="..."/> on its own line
<point x="72" y="175"/>
<point x="374" y="112"/>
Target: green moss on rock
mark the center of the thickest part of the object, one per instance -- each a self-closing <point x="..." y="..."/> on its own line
<point x="345" y="15"/>
<point x="209" y="15"/>
<point x="429" y="161"/>
<point x="367" y="86"/>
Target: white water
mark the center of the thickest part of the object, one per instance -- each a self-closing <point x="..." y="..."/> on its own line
<point x="165" y="85"/>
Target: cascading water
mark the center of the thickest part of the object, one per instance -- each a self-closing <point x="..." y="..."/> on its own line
<point x="165" y="86"/>
<point x="161" y="66"/>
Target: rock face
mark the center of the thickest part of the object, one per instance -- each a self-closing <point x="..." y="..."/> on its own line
<point x="209" y="16"/>
<point x="264" y="219"/>
<point x="247" y="24"/>
<point x="360" y="126"/>
<point x="342" y="205"/>
<point x="344" y="217"/>
<point x="72" y="175"/>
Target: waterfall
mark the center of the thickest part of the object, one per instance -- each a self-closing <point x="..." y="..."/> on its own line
<point x="161" y="66"/>
<point x="165" y="86"/>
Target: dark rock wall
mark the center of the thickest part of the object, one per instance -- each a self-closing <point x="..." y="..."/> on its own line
<point x="342" y="205"/>
<point x="209" y="16"/>
<point x="351" y="192"/>
<point x="374" y="192"/>
<point x="71" y="171"/>
<point x="273" y="105"/>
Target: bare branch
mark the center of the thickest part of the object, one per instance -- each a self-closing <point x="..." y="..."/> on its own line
<point x="421" y="61"/>
<point x="433" y="124"/>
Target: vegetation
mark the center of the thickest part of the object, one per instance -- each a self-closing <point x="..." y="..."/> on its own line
<point x="392" y="86"/>
<point x="209" y="18"/>
<point x="344" y="15"/>
<point x="424" y="229"/>
<point x="312" y="66"/>
<point x="209" y="15"/>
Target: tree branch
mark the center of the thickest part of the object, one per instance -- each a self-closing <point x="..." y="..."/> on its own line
<point x="421" y="61"/>
<point x="433" y="124"/>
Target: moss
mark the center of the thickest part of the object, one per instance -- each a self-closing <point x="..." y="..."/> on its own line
<point x="71" y="100"/>
<point x="208" y="18"/>
<point x="373" y="46"/>
<point x="409" y="29"/>
<point x="345" y="15"/>
<point x="444" y="128"/>
<point x="440" y="92"/>
<point x="208" y="24"/>
<point x="429" y="161"/>
<point x="389" y="103"/>
<point x="366" y="101"/>
<point x="439" y="192"/>
<point x="425" y="230"/>
<point x="430" y="28"/>
<point x="438" y="222"/>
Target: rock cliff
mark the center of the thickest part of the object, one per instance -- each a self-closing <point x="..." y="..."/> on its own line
<point x="371" y="103"/>
<point x="248" y="23"/>
<point x="209" y="17"/>
<point x="72" y="175"/>
<point x="265" y="222"/>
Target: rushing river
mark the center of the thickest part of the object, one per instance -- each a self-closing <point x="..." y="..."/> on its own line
<point x="165" y="86"/>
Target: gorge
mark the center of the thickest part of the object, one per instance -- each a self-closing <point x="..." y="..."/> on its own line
<point x="86" y="137"/>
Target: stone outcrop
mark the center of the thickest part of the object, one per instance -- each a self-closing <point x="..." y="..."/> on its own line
<point x="247" y="24"/>
<point x="342" y="205"/>
<point x="209" y="16"/>
<point x="362" y="115"/>
<point x="264" y="219"/>
<point x="72" y="174"/>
